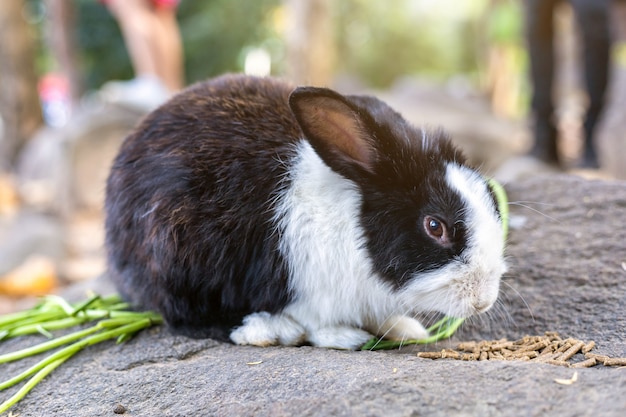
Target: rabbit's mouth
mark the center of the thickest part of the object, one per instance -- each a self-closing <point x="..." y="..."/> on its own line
<point x="456" y="290"/>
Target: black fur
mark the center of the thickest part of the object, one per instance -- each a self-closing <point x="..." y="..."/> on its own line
<point x="394" y="210"/>
<point x="405" y="184"/>
<point x="189" y="229"/>
<point x="208" y="160"/>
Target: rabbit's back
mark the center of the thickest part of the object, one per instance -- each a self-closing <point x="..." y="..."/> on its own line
<point x="195" y="178"/>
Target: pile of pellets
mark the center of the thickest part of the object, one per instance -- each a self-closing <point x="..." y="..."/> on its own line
<point x="550" y="348"/>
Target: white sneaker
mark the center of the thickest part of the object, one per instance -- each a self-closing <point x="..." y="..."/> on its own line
<point x="144" y="93"/>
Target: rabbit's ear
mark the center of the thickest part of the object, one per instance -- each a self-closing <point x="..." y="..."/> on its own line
<point x="334" y="127"/>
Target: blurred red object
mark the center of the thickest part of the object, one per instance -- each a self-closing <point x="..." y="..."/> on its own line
<point x="54" y="94"/>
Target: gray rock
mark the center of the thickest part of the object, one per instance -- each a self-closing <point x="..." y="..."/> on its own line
<point x="60" y="177"/>
<point x="567" y="274"/>
<point x="63" y="170"/>
<point x="29" y="233"/>
<point x="486" y="140"/>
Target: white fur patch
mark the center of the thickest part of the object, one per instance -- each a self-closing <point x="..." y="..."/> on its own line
<point x="339" y="300"/>
<point x="402" y="328"/>
<point x="471" y="284"/>
<point x="264" y="329"/>
<point x="322" y="240"/>
<point x="339" y="337"/>
<point x="336" y="293"/>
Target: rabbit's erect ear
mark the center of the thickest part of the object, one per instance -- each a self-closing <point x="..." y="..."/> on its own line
<point x="334" y="127"/>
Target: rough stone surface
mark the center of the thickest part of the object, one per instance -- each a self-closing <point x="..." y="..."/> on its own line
<point x="63" y="170"/>
<point x="567" y="258"/>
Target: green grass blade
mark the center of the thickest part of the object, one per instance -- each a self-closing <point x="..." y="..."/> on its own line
<point x="55" y="300"/>
<point x="503" y="204"/>
<point x="42" y="330"/>
<point x="54" y="313"/>
<point x="32" y="317"/>
<point x="63" y="353"/>
<point x="36" y="379"/>
<point x="59" y="324"/>
<point x="46" y="346"/>
<point x="78" y="346"/>
<point x="112" y="300"/>
<point x="11" y="318"/>
<point x="83" y="306"/>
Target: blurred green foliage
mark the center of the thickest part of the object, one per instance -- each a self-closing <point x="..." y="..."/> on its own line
<point x="101" y="49"/>
<point x="381" y="41"/>
<point x="377" y="41"/>
<point x="215" y="35"/>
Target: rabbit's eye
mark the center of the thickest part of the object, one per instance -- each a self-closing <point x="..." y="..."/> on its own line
<point x="437" y="230"/>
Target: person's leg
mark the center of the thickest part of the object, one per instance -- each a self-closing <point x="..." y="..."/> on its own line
<point x="137" y="23"/>
<point x="594" y="21"/>
<point x="539" y="33"/>
<point x="140" y="28"/>
<point x="168" y="48"/>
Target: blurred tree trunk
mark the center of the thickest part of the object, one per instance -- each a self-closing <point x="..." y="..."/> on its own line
<point x="310" y="42"/>
<point x="19" y="104"/>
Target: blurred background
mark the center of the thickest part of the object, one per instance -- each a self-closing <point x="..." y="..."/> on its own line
<point x="462" y="65"/>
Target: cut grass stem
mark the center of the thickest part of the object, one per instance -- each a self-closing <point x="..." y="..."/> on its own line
<point x="54" y="313"/>
<point x="21" y="393"/>
<point x="443" y="329"/>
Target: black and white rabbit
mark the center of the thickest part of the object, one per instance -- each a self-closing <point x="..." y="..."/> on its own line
<point x="248" y="210"/>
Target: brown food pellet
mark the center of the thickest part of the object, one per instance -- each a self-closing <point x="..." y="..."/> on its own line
<point x="556" y="362"/>
<point x="449" y="353"/>
<point x="550" y="348"/>
<point x="467" y="346"/>
<point x="587" y="348"/>
<point x="506" y="352"/>
<point x="564" y="347"/>
<point x="501" y="345"/>
<point x="614" y="362"/>
<point x="587" y="363"/>
<point x="429" y="355"/>
<point x="535" y="346"/>
<point x="548" y="352"/>
<point x="599" y="358"/>
<point x="567" y="355"/>
<point x="528" y="354"/>
<point x="119" y="409"/>
<point x="552" y="335"/>
<point x="497" y="356"/>
<point x="548" y="357"/>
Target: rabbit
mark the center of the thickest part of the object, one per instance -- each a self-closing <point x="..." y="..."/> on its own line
<point x="250" y="211"/>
